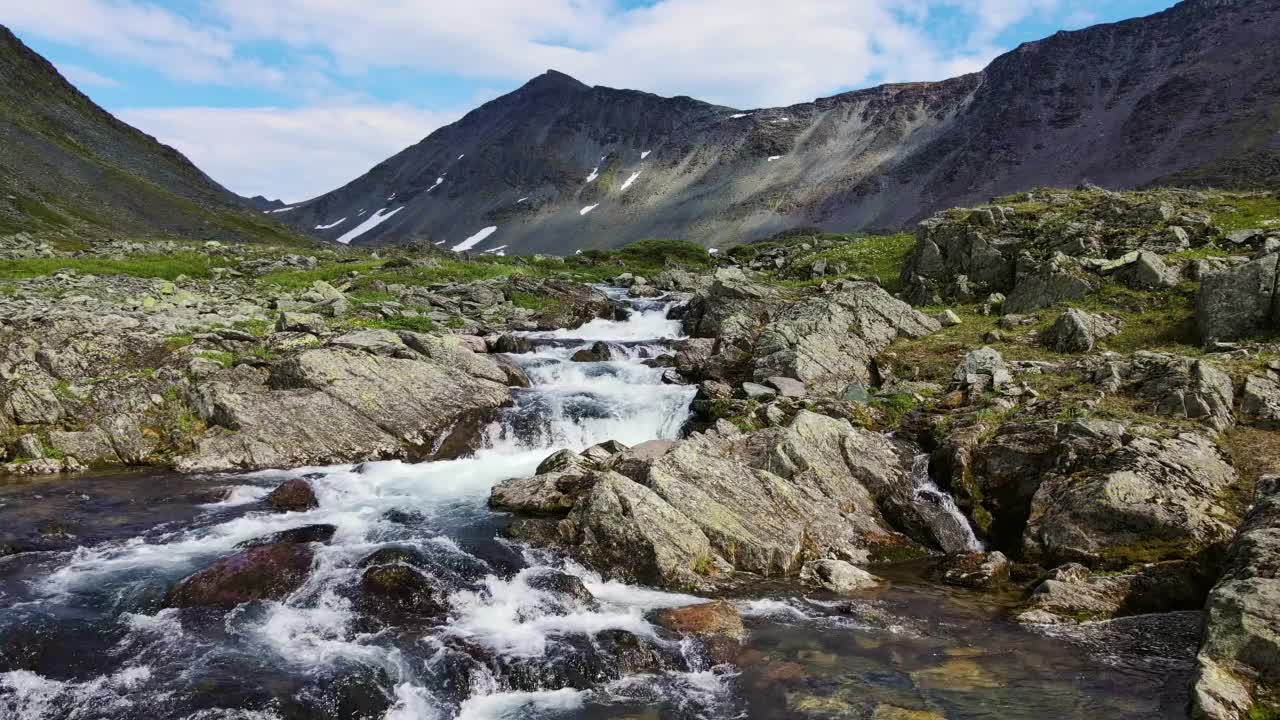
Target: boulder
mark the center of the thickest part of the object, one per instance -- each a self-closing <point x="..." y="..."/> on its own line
<point x="770" y="500"/>
<point x="977" y="570"/>
<point x="1240" y="302"/>
<point x="377" y="342"/>
<point x="562" y="585"/>
<point x="706" y="620"/>
<point x="1237" y="674"/>
<point x="627" y="531"/>
<point x="397" y="590"/>
<point x="1147" y="271"/>
<point x="1046" y="284"/>
<point x="829" y="341"/>
<point x="1260" y="401"/>
<point x="1148" y="499"/>
<point x="836" y="576"/>
<point x="756" y="391"/>
<point x="373" y="407"/>
<point x="787" y="387"/>
<point x="1071" y="593"/>
<point x="983" y="369"/>
<point x="265" y="572"/>
<point x="547" y="493"/>
<point x="598" y="352"/>
<point x="514" y="344"/>
<point x="948" y="318"/>
<point x="317" y="533"/>
<point x="1076" y="331"/>
<point x="414" y="400"/>
<point x="733" y="308"/>
<point x="1181" y="387"/>
<point x="293" y="496"/>
<point x="301" y="323"/>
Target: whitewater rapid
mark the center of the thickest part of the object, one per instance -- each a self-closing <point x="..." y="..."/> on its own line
<point x="316" y="635"/>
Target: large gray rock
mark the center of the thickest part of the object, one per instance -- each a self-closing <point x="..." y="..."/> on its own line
<point x="1146" y="270"/>
<point x="626" y="530"/>
<point x="947" y="249"/>
<point x="764" y="502"/>
<point x="829" y="341"/>
<point x="1238" y="303"/>
<point x="1076" y="331"/>
<point x="373" y="406"/>
<point x="1148" y="498"/>
<point x="29" y="398"/>
<point x="1238" y="666"/>
<point x="1260" y="401"/>
<point x="414" y="400"/>
<point x="733" y="308"/>
<point x="983" y="369"/>
<point x="1046" y="284"/>
<point x="1072" y="593"/>
<point x="1181" y="387"/>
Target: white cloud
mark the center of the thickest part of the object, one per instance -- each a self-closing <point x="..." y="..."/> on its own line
<point x="84" y="77"/>
<point x="144" y="33"/>
<point x="293" y="154"/>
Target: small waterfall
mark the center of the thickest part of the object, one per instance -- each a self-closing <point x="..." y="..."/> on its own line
<point x="950" y="527"/>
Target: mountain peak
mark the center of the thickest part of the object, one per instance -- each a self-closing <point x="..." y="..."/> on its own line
<point x="555" y="80"/>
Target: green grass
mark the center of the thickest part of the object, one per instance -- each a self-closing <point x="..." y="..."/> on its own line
<point x="166" y="266"/>
<point x="225" y="359"/>
<point x="1150" y="319"/>
<point x="327" y="271"/>
<point x="177" y="342"/>
<point x="421" y="323"/>
<point x="533" y="301"/>
<point x="881" y="256"/>
<point x="1250" y="212"/>
<point x="256" y="328"/>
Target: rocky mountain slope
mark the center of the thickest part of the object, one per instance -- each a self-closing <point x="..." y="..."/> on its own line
<point x="69" y="167"/>
<point x="1186" y="95"/>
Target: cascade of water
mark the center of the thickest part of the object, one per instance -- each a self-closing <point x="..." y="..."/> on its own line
<point x="496" y="611"/>
<point x="927" y="492"/>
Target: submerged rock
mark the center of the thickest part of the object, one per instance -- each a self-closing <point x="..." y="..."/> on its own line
<point x="836" y="576"/>
<point x="977" y="570"/>
<point x="293" y="496"/>
<point x="265" y="572"/>
<point x="707" y="620"/>
<point x="396" y="590"/>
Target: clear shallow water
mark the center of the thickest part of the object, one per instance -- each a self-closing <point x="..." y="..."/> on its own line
<point x="84" y="634"/>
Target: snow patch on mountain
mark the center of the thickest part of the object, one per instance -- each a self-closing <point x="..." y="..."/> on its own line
<point x="370" y="223"/>
<point x="476" y="239"/>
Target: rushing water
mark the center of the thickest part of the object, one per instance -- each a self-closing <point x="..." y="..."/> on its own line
<point x="84" y="634"/>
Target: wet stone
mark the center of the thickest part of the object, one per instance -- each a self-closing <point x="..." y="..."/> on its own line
<point x="319" y="533"/>
<point x="293" y="496"/>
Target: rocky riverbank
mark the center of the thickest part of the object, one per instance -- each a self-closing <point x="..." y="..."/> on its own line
<point x="1068" y="394"/>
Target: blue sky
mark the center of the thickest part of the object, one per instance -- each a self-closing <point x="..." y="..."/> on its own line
<point x="291" y="98"/>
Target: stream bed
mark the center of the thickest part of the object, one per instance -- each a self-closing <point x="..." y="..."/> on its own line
<point x="85" y="634"/>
